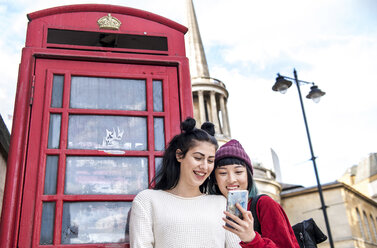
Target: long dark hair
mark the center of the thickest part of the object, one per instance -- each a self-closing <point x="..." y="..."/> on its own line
<point x="213" y="188"/>
<point x="168" y="175"/>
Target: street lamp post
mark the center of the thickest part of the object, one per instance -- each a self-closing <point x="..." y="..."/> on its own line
<point x="281" y="85"/>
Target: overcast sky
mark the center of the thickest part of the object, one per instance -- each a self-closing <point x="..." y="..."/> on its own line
<point x="332" y="43"/>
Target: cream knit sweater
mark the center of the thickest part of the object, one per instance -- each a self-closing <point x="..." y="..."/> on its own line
<point x="163" y="220"/>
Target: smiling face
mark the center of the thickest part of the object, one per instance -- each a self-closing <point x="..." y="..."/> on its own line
<point x="231" y="177"/>
<point x="196" y="165"/>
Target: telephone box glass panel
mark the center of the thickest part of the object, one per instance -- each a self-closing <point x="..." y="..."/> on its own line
<point x="94" y="222"/>
<point x="106" y="175"/>
<point x="159" y="134"/>
<point x="108" y="93"/>
<point x="157" y="164"/>
<point x="54" y="131"/>
<point x="47" y="225"/>
<point x="57" y="91"/>
<point x="97" y="132"/>
<point x="157" y="96"/>
<point x="51" y="174"/>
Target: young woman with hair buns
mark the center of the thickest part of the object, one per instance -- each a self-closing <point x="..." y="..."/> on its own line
<point x="234" y="171"/>
<point x="177" y="212"/>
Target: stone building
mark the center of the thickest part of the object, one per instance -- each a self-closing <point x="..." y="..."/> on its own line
<point x="4" y="147"/>
<point x="363" y="177"/>
<point x="352" y="215"/>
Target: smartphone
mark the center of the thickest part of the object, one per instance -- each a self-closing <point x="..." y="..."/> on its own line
<point x="236" y="196"/>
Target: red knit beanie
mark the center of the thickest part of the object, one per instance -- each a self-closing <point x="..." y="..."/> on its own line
<point x="233" y="149"/>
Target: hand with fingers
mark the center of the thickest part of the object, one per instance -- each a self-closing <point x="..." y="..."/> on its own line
<point x="243" y="228"/>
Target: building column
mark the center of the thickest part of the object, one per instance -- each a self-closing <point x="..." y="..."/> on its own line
<point x="202" y="114"/>
<point x="227" y="119"/>
<point x="224" y="115"/>
<point x="215" y="119"/>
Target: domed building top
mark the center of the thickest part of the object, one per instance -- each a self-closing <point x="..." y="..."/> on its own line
<point x="209" y="94"/>
<point x="210" y="98"/>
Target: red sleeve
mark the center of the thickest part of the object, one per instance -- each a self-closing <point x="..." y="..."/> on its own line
<point x="276" y="229"/>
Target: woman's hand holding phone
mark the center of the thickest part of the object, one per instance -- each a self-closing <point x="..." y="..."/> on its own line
<point x="243" y="228"/>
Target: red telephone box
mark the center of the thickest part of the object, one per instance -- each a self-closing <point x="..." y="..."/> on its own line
<point x="101" y="90"/>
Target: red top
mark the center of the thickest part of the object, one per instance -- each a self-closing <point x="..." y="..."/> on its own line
<point x="276" y="229"/>
<point x="106" y="8"/>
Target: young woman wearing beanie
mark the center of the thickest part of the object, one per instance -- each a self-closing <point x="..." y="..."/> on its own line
<point x="176" y="212"/>
<point x="234" y="171"/>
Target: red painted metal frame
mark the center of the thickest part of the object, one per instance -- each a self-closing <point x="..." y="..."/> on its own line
<point x="109" y="9"/>
<point x="84" y="17"/>
<point x="68" y="17"/>
<point x="30" y="229"/>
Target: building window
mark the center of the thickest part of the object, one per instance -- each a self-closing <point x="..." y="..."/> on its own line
<point x="366" y="224"/>
<point x="373" y="228"/>
<point x="360" y="223"/>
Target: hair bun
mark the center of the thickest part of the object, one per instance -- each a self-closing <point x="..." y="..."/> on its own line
<point x="188" y="125"/>
<point x="209" y="128"/>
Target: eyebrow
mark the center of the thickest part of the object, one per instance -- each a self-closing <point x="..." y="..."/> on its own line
<point x="236" y="167"/>
<point x="202" y="154"/>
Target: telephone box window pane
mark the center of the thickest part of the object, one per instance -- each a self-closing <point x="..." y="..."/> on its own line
<point x="57" y="91"/>
<point x="95" y="222"/>
<point x="51" y="174"/>
<point x="157" y="96"/>
<point x="54" y="131"/>
<point x="106" y="175"/>
<point x="47" y="226"/>
<point x="157" y="164"/>
<point x="98" y="132"/>
<point x="159" y="134"/>
<point x="108" y="93"/>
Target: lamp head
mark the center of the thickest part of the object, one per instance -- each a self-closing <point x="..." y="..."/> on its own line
<point x="315" y="94"/>
<point x="281" y="84"/>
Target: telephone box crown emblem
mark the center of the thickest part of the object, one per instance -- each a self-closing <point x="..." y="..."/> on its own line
<point x="109" y="22"/>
